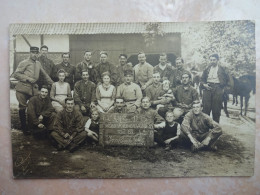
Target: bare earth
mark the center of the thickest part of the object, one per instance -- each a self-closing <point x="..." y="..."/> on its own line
<point x="235" y="156"/>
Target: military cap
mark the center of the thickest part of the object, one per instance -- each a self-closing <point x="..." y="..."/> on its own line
<point x="128" y="72"/>
<point x="186" y="72"/>
<point x="34" y="49"/>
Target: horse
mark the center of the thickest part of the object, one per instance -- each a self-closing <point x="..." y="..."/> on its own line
<point x="242" y="87"/>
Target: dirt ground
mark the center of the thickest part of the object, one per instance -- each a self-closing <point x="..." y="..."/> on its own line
<point x="235" y="156"/>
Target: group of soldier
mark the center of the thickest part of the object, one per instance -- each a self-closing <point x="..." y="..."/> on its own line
<point x="63" y="102"/>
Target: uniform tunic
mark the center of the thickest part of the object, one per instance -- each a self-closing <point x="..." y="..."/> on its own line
<point x="153" y="113"/>
<point x="24" y="90"/>
<point x="107" y="67"/>
<point x="49" y="67"/>
<point x="143" y="74"/>
<point x="176" y="75"/>
<point x="131" y="93"/>
<point x="154" y="91"/>
<point x="93" y="75"/>
<point x="71" y="123"/>
<point x="36" y="107"/>
<point x="201" y="126"/>
<point x="185" y="95"/>
<point x="84" y="93"/>
<point x="164" y="73"/>
<point x="120" y="73"/>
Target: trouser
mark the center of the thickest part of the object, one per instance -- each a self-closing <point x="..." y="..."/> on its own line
<point x="210" y="137"/>
<point x="42" y="133"/>
<point x="85" y="113"/>
<point x="22" y="99"/>
<point x="212" y="101"/>
<point x="160" y="140"/>
<point x="76" y="141"/>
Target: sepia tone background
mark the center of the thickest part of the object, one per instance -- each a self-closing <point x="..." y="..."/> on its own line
<point x="119" y="11"/>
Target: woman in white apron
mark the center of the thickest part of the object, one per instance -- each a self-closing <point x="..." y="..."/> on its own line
<point x="59" y="91"/>
<point x="105" y="94"/>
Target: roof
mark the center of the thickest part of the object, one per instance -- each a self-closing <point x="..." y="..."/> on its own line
<point x="90" y="28"/>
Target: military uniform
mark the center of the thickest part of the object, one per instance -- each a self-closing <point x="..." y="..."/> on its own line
<point x="201" y="127"/>
<point x="132" y="95"/>
<point x="49" y="67"/>
<point x="26" y="70"/>
<point x="84" y="94"/>
<point x="93" y="75"/>
<point x="71" y="123"/>
<point x="107" y="67"/>
<point x="164" y="73"/>
<point x="38" y="106"/>
<point x="143" y="74"/>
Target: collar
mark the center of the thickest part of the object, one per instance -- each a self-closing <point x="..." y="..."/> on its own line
<point x="127" y="83"/>
<point x="172" y="124"/>
<point x="30" y="59"/>
<point x="161" y="66"/>
<point x="186" y="87"/>
<point x="65" y="64"/>
<point x="39" y="96"/>
<point x="89" y="65"/>
<point x="157" y="85"/>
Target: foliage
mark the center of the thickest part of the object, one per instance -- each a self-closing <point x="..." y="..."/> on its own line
<point x="234" y="41"/>
<point x="152" y="31"/>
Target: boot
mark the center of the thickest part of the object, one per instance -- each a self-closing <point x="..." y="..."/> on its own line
<point x="22" y="116"/>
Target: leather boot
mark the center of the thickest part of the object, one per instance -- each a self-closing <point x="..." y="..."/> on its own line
<point x="22" y="116"/>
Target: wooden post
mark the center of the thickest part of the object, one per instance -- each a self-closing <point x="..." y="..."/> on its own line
<point x="42" y="40"/>
<point x="26" y="40"/>
<point x="14" y="64"/>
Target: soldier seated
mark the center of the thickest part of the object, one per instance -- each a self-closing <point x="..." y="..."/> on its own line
<point x="41" y="114"/>
<point x="120" y="106"/>
<point x="200" y="131"/>
<point x="69" y="128"/>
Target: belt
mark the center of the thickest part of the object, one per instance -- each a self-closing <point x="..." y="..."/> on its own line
<point x="130" y="100"/>
<point x="214" y="83"/>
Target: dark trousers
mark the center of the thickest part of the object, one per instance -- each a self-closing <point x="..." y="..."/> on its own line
<point x="22" y="99"/>
<point x="77" y="140"/>
<point x="42" y="133"/>
<point x="212" y="134"/>
<point x="212" y="101"/>
<point x="86" y="113"/>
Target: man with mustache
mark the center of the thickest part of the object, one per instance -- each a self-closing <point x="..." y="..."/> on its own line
<point x="41" y="114"/>
<point x="27" y="73"/>
<point x="47" y="64"/>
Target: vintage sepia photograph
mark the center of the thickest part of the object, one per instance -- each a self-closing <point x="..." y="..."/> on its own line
<point x="132" y="100"/>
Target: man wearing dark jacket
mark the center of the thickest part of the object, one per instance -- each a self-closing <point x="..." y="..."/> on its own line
<point x="41" y="114"/>
<point x="86" y="64"/>
<point x="214" y="80"/>
<point x="47" y="64"/>
<point x="27" y="73"/>
<point x="69" y="128"/>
